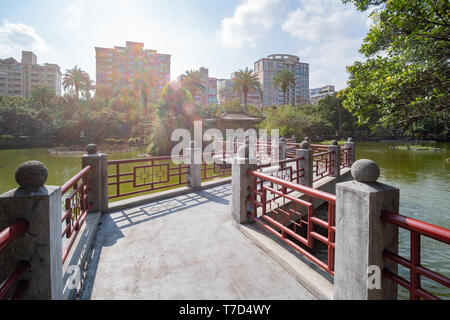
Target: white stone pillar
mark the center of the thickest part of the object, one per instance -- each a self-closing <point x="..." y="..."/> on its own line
<point x="306" y="164"/>
<point x="335" y="159"/>
<point x="361" y="236"/>
<point x="282" y="148"/>
<point x="95" y="179"/>
<point x="41" y="246"/>
<point x="195" y="168"/>
<point x="241" y="182"/>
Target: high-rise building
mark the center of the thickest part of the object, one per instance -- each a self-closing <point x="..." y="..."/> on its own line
<point x="212" y="91"/>
<point x="267" y="68"/>
<point x="225" y="90"/>
<point x="201" y="97"/>
<point x="119" y="67"/>
<point x="18" y="79"/>
<point x="317" y="94"/>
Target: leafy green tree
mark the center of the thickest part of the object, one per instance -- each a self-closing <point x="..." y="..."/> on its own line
<point x="174" y="110"/>
<point x="330" y="109"/>
<point x="284" y="79"/>
<point x="17" y="117"/>
<point x="245" y="81"/>
<point x="405" y="77"/>
<point x="42" y="97"/>
<point x="300" y="121"/>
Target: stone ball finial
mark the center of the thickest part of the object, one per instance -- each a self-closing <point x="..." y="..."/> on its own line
<point x="334" y="143"/>
<point x="304" y="145"/>
<point x="282" y="139"/>
<point x="350" y="140"/>
<point x="31" y="174"/>
<point x="365" y="170"/>
<point x="91" y="148"/>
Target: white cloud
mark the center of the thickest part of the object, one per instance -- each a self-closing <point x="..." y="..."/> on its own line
<point x="332" y="34"/>
<point x="303" y="25"/>
<point x="251" y="20"/>
<point x="74" y="17"/>
<point x="328" y="61"/>
<point x="15" y="37"/>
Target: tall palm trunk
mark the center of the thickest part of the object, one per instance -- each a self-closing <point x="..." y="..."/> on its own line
<point x="245" y="101"/>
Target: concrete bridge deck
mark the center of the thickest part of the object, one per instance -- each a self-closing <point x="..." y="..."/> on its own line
<point x="184" y="247"/>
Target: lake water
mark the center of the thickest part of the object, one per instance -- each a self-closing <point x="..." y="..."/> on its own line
<point x="423" y="178"/>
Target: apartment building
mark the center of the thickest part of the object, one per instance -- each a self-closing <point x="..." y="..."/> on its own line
<point x="267" y="68"/>
<point x="212" y="91"/>
<point x="19" y="78"/>
<point x="119" y="67"/>
<point x="317" y="94"/>
<point x="224" y="90"/>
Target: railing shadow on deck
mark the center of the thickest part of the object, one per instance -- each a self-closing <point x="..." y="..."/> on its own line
<point x="163" y="208"/>
<point x="168" y="206"/>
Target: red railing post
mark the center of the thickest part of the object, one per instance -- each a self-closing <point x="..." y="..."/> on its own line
<point x="415" y="262"/>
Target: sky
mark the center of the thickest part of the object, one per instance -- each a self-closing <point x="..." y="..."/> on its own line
<point x="221" y="35"/>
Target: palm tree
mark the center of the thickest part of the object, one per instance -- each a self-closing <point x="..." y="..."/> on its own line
<point x="192" y="81"/>
<point x="245" y="81"/>
<point x="145" y="84"/>
<point x="75" y="78"/>
<point x="88" y="86"/>
<point x="284" y="79"/>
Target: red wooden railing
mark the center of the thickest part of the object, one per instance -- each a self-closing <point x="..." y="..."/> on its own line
<point x="289" y="169"/>
<point x="148" y="175"/>
<point x="265" y="151"/>
<point x="76" y="196"/>
<point x="345" y="157"/>
<point x="291" y="149"/>
<point x="285" y="215"/>
<point x="319" y="148"/>
<point x="216" y="170"/>
<point x="322" y="165"/>
<point x="8" y="235"/>
<point x="417" y="230"/>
